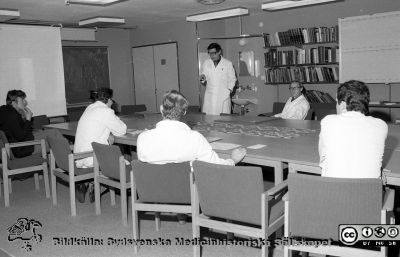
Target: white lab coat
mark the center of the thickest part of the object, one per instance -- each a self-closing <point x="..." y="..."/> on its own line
<point x="220" y="82"/>
<point x="296" y="109"/>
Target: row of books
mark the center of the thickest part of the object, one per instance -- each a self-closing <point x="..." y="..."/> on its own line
<point x="315" y="96"/>
<point x="318" y="55"/>
<point x="298" y="36"/>
<point x="307" y="74"/>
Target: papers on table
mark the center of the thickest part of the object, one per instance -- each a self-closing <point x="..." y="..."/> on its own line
<point x="213" y="139"/>
<point x="257" y="146"/>
<point x="223" y="146"/>
<point x="134" y="131"/>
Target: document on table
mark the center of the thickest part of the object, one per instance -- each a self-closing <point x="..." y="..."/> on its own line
<point x="257" y="146"/>
<point x="213" y="139"/>
<point x="134" y="131"/>
<point x="223" y="146"/>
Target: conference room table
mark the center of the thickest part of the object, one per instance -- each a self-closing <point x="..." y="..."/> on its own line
<point x="299" y="152"/>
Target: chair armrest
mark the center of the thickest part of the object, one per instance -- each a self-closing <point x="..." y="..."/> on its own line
<point x="266" y="114"/>
<point x="277" y="189"/>
<point x="82" y="155"/>
<point x="286" y="197"/>
<point x="388" y="200"/>
<point x="25" y="143"/>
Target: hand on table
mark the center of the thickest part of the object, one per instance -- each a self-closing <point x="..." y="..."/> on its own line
<point x="238" y="154"/>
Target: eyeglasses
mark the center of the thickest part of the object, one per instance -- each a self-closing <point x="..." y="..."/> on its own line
<point x="212" y="53"/>
<point x="293" y="88"/>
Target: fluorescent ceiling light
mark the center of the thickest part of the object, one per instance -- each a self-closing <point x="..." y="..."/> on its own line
<point x="218" y="14"/>
<point x="8" y="14"/>
<point x="93" y="2"/>
<point x="278" y="5"/>
<point x="101" y="22"/>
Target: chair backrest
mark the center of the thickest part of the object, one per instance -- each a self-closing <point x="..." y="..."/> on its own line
<point x="129" y="109"/>
<point x="317" y="205"/>
<point x="39" y="121"/>
<point x="193" y="109"/>
<point x="165" y="183"/>
<point x="323" y="109"/>
<point x="3" y="141"/>
<point x="229" y="192"/>
<point x="277" y="107"/>
<point x="108" y="159"/>
<point x="61" y="149"/>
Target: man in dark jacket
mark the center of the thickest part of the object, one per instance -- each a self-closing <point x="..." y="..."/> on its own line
<point x="16" y="121"/>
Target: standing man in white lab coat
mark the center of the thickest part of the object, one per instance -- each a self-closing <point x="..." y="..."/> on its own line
<point x="219" y="78"/>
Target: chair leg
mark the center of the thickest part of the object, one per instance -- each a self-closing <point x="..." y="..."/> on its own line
<point x="124" y="207"/>
<point x="46" y="180"/>
<point x="9" y="186"/>
<point x="36" y="176"/>
<point x="196" y="234"/>
<point x="158" y="221"/>
<point x="6" y="193"/>
<point x="72" y="196"/>
<point x="53" y="187"/>
<point x="97" y="195"/>
<point x="112" y="196"/>
<point x="135" y="226"/>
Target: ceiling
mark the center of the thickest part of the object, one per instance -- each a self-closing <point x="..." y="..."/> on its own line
<point x="137" y="13"/>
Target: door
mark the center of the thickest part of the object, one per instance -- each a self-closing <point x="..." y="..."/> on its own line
<point x="155" y="72"/>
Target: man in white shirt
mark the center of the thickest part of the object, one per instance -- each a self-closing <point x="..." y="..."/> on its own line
<point x="351" y="144"/>
<point x="172" y="141"/>
<point x="296" y="106"/>
<point x="218" y="75"/>
<point x="96" y="124"/>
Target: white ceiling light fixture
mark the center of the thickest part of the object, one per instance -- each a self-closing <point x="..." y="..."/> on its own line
<point x="239" y="11"/>
<point x="8" y="14"/>
<point x="93" y="2"/>
<point x="210" y="2"/>
<point x="101" y="22"/>
<point x="285" y="4"/>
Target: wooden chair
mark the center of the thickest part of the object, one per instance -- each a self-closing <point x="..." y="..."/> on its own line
<point x="131" y="109"/>
<point x="323" y="109"/>
<point x="39" y="121"/>
<point x="236" y="195"/>
<point x="159" y="188"/>
<point x="62" y="156"/>
<point x="110" y="169"/>
<point x="317" y="205"/>
<point x="13" y="166"/>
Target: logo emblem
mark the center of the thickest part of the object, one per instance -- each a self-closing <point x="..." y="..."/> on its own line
<point x="392" y="232"/>
<point x="367" y="232"/>
<point x="25" y="230"/>
<point x="380" y="232"/>
<point x="348" y="235"/>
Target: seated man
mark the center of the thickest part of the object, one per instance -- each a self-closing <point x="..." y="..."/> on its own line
<point x="172" y="141"/>
<point x="296" y="106"/>
<point x="351" y="144"/>
<point x="16" y="121"/>
<point x="96" y="124"/>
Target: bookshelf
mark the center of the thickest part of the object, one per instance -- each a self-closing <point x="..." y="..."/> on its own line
<point x="309" y="55"/>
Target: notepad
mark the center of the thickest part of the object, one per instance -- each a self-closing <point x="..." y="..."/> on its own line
<point x="223" y="146"/>
<point x="257" y="146"/>
<point x="134" y="131"/>
<point x="213" y="139"/>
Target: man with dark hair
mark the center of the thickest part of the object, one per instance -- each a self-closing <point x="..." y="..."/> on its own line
<point x="16" y="121"/>
<point x="218" y="75"/>
<point x="96" y="124"/>
<point x="109" y="91"/>
<point x="351" y="144"/>
<point x="172" y="141"/>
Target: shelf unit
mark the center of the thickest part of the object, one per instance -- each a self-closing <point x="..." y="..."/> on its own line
<point x="309" y="55"/>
